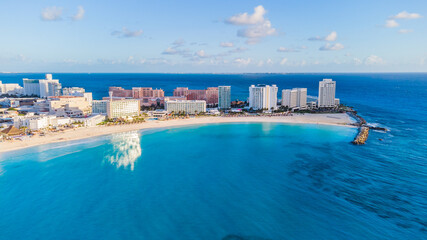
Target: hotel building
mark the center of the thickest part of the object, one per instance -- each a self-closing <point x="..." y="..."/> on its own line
<point x="147" y="92"/>
<point x="263" y="97"/>
<point x="224" y="97"/>
<point x="11" y="88"/>
<point x="123" y="108"/>
<point x="187" y="106"/>
<point x="326" y="93"/>
<point x="210" y="95"/>
<point x="42" y="87"/>
<point x="78" y="92"/>
<point x="69" y="106"/>
<point x="99" y="106"/>
<point x="137" y="92"/>
<point x="294" y="98"/>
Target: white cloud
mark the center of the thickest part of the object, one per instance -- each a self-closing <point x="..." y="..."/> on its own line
<point x="330" y="37"/>
<point x="248" y="19"/>
<point x="51" y="14"/>
<point x="256" y="32"/>
<point x="283" y="61"/>
<point x="242" y="61"/>
<point x="269" y="61"/>
<point x="357" y="61"/>
<point x="126" y="33"/>
<point x="406" y="15"/>
<point x="80" y="13"/>
<point x="373" y="59"/>
<point x="226" y="44"/>
<point x="258" y="26"/>
<point x="202" y="54"/>
<point x="391" y="23"/>
<point x="403" y="31"/>
<point x="331" y="47"/>
<point x="283" y="49"/>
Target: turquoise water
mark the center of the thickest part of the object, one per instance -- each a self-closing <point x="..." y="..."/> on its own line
<point x="224" y="181"/>
<point x="251" y="181"/>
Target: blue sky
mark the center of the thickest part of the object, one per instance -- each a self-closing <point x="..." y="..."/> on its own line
<point x="213" y="36"/>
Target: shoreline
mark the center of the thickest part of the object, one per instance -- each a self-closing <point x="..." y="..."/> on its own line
<point x="335" y="119"/>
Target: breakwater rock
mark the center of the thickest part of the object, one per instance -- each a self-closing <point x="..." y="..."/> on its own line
<point x="361" y="138"/>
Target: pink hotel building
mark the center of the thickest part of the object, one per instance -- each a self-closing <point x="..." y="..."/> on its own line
<point x="210" y="95"/>
<point x="149" y="96"/>
<point x="137" y="92"/>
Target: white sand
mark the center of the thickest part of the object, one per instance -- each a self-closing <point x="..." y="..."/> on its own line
<point x="340" y="119"/>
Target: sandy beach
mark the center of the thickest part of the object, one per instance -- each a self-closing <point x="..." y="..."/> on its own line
<point x="340" y="119"/>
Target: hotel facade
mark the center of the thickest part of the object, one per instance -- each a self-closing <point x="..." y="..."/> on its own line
<point x="326" y="93"/>
<point x="123" y="108"/>
<point x="69" y="106"/>
<point x="294" y="98"/>
<point x="11" y="88"/>
<point x="224" y="97"/>
<point x="186" y="106"/>
<point x="42" y="87"/>
<point x="263" y="96"/>
<point x="210" y="95"/>
<point x="137" y="92"/>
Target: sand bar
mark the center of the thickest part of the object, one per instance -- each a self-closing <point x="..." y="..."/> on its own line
<point x="338" y="119"/>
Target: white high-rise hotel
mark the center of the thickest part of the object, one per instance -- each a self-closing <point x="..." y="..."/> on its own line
<point x="326" y="93"/>
<point x="224" y="97"/>
<point x="294" y="98"/>
<point x="42" y="87"/>
<point x="263" y="97"/>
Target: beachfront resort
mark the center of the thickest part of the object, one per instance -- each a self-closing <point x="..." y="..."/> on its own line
<point x="42" y="108"/>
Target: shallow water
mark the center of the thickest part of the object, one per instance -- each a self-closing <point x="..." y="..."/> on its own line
<point x="251" y="180"/>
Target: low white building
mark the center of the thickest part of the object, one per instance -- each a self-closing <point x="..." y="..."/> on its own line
<point x="337" y="101"/>
<point x="157" y="113"/>
<point x="11" y="89"/>
<point x="123" y="108"/>
<point x="91" y="121"/>
<point x="186" y="106"/>
<point x="35" y="123"/>
<point x="69" y="106"/>
<point x="311" y="105"/>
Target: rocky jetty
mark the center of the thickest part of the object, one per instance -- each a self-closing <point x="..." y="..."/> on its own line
<point x="361" y="138"/>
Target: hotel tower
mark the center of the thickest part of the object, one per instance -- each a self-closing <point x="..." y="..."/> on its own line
<point x="263" y="96"/>
<point x="326" y="93"/>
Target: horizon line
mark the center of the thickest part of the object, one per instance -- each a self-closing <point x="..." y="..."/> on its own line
<point x="223" y="73"/>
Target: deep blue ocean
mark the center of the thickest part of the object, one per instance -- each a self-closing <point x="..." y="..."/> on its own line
<point x="229" y="181"/>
